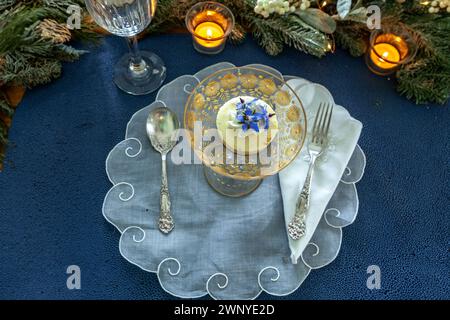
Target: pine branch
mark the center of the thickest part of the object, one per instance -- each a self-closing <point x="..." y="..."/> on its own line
<point x="425" y="81"/>
<point x="61" y="5"/>
<point x="266" y="38"/>
<point x="169" y="13"/>
<point x="67" y="53"/>
<point x="303" y="37"/>
<point x="5" y="108"/>
<point x="238" y="34"/>
<point x="86" y="34"/>
<point x="29" y="71"/>
<point x="13" y="26"/>
<point x="272" y="33"/>
<point x="6" y="4"/>
<point x="427" y="78"/>
<point x="6" y="111"/>
<point x="352" y="36"/>
<point x="3" y="140"/>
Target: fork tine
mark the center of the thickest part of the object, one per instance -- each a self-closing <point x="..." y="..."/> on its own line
<point x="323" y="123"/>
<point x="316" y="123"/>
<point x="327" y="127"/>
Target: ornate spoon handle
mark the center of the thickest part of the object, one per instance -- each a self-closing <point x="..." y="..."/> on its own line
<point x="165" y="219"/>
<point x="297" y="227"/>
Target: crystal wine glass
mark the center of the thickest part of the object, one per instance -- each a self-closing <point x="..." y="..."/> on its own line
<point x="138" y="72"/>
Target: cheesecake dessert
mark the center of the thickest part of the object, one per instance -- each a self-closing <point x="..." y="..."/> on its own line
<point x="246" y="124"/>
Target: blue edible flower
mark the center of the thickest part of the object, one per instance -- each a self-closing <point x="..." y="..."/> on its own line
<point x="254" y="126"/>
<point x="250" y="115"/>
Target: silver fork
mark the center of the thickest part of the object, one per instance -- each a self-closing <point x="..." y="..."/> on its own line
<point x="297" y="227"/>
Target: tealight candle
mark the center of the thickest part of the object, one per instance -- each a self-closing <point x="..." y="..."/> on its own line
<point x="388" y="51"/>
<point x="210" y="23"/>
<point x="209" y="31"/>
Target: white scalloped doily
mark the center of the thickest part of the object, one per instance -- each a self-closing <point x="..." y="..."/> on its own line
<point x="216" y="248"/>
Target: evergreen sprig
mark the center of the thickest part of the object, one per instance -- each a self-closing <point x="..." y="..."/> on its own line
<point x="352" y="36"/>
<point x="26" y="57"/>
<point x="30" y="71"/>
<point x="427" y="77"/>
<point x="273" y="34"/>
<point x="267" y="38"/>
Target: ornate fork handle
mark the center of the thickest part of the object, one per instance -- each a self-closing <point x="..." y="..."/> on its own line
<point x="165" y="219"/>
<point x="297" y="227"/>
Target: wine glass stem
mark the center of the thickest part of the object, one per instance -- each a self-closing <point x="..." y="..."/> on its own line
<point x="138" y="66"/>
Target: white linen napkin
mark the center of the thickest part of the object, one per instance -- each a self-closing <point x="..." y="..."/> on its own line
<point x="343" y="137"/>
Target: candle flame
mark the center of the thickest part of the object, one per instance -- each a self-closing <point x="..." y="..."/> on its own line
<point x="209" y="33"/>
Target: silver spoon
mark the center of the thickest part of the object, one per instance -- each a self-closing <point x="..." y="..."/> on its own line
<point x="162" y="125"/>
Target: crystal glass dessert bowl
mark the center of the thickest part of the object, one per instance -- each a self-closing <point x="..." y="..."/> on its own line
<point x="245" y="124"/>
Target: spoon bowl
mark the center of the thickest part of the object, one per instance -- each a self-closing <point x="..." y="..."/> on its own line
<point x="162" y="125"/>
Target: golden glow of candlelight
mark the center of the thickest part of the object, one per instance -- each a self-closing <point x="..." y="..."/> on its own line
<point x="209" y="23"/>
<point x="209" y="30"/>
<point x="386" y="51"/>
<point x="329" y="47"/>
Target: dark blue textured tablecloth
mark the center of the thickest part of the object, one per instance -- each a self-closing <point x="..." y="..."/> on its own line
<point x="54" y="181"/>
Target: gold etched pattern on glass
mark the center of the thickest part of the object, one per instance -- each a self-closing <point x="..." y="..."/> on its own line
<point x="223" y="85"/>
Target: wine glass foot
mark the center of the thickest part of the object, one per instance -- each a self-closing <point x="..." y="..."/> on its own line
<point x="144" y="83"/>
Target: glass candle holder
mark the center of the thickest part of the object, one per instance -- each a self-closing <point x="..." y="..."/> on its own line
<point x="389" y="49"/>
<point x="210" y="23"/>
